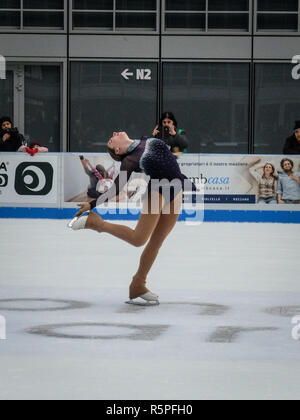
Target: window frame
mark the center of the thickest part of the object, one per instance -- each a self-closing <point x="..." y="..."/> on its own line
<point x="206" y="30"/>
<point x="216" y="61"/>
<point x="110" y="60"/>
<point x="114" y="30"/>
<point x="37" y="29"/>
<point x="254" y="104"/>
<point x="272" y="32"/>
<point x="17" y="65"/>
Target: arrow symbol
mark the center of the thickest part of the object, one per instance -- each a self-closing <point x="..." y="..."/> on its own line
<point x="126" y="74"/>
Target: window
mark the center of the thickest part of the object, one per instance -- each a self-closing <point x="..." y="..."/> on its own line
<point x="42" y="105"/>
<point x="277" y="15"/>
<point x="115" y="15"/>
<point x="111" y="96"/>
<point x="207" y="15"/>
<point x="277" y="106"/>
<point x="7" y="94"/>
<point x="212" y="100"/>
<point x="31" y="14"/>
<point x="10" y="14"/>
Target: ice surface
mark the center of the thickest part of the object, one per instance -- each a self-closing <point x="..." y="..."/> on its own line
<point x="228" y="294"/>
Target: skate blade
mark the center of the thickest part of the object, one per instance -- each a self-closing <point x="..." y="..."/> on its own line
<point x="141" y="302"/>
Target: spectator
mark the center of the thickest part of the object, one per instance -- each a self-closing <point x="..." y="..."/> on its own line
<point x="33" y="148"/>
<point x="10" y="138"/>
<point x="167" y="131"/>
<point x="292" y="144"/>
<point x="267" y="182"/>
<point x="288" y="184"/>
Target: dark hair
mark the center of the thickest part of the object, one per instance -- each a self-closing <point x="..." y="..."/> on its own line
<point x="169" y="115"/>
<point x="286" y="160"/>
<point x="102" y="171"/>
<point x="297" y="126"/>
<point x="33" y="144"/>
<point x="114" y="156"/>
<point x="5" y="119"/>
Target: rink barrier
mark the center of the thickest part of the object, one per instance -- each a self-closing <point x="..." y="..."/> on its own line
<point x="46" y="186"/>
<point x="238" y="216"/>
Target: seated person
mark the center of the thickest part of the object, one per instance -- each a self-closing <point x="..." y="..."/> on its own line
<point x="33" y="148"/>
<point x="167" y="131"/>
<point x="292" y="144"/>
<point x="10" y="138"/>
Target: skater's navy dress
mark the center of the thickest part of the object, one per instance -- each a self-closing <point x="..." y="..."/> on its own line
<point x="154" y="158"/>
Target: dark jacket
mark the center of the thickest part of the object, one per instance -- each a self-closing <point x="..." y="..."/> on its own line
<point x="179" y="140"/>
<point x="291" y="147"/>
<point x="12" y="144"/>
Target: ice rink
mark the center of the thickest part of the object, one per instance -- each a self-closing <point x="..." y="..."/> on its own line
<point x="223" y="330"/>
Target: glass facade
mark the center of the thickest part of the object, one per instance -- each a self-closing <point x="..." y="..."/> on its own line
<point x="111" y="96"/>
<point x="178" y="16"/>
<point x="115" y="15"/>
<point x="276" y="15"/>
<point x="277" y="106"/>
<point x="207" y="16"/>
<point x="211" y="102"/>
<point x="7" y="95"/>
<point x="32" y="14"/>
<point x="42" y="105"/>
<point x="227" y="102"/>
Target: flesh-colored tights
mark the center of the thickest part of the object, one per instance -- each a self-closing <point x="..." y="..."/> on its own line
<point x="153" y="227"/>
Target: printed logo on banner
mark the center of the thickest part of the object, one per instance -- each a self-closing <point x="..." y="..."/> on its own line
<point x="3" y="177"/>
<point x="3" y="180"/>
<point x="34" y="178"/>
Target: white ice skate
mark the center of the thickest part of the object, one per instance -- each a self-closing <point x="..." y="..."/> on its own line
<point x="147" y="299"/>
<point x="78" y="223"/>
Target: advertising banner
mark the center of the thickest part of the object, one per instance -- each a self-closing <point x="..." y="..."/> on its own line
<point x="225" y="182"/>
<point x="247" y="182"/>
<point x="87" y="177"/>
<point x="27" y="181"/>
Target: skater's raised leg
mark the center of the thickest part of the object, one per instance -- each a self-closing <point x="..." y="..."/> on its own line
<point x="145" y="226"/>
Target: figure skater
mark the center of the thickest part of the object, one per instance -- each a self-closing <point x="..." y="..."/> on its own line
<point x="161" y="205"/>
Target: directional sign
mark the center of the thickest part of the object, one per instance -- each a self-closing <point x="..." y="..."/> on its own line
<point x="143" y="74"/>
<point x="126" y="74"/>
<point x="140" y="74"/>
